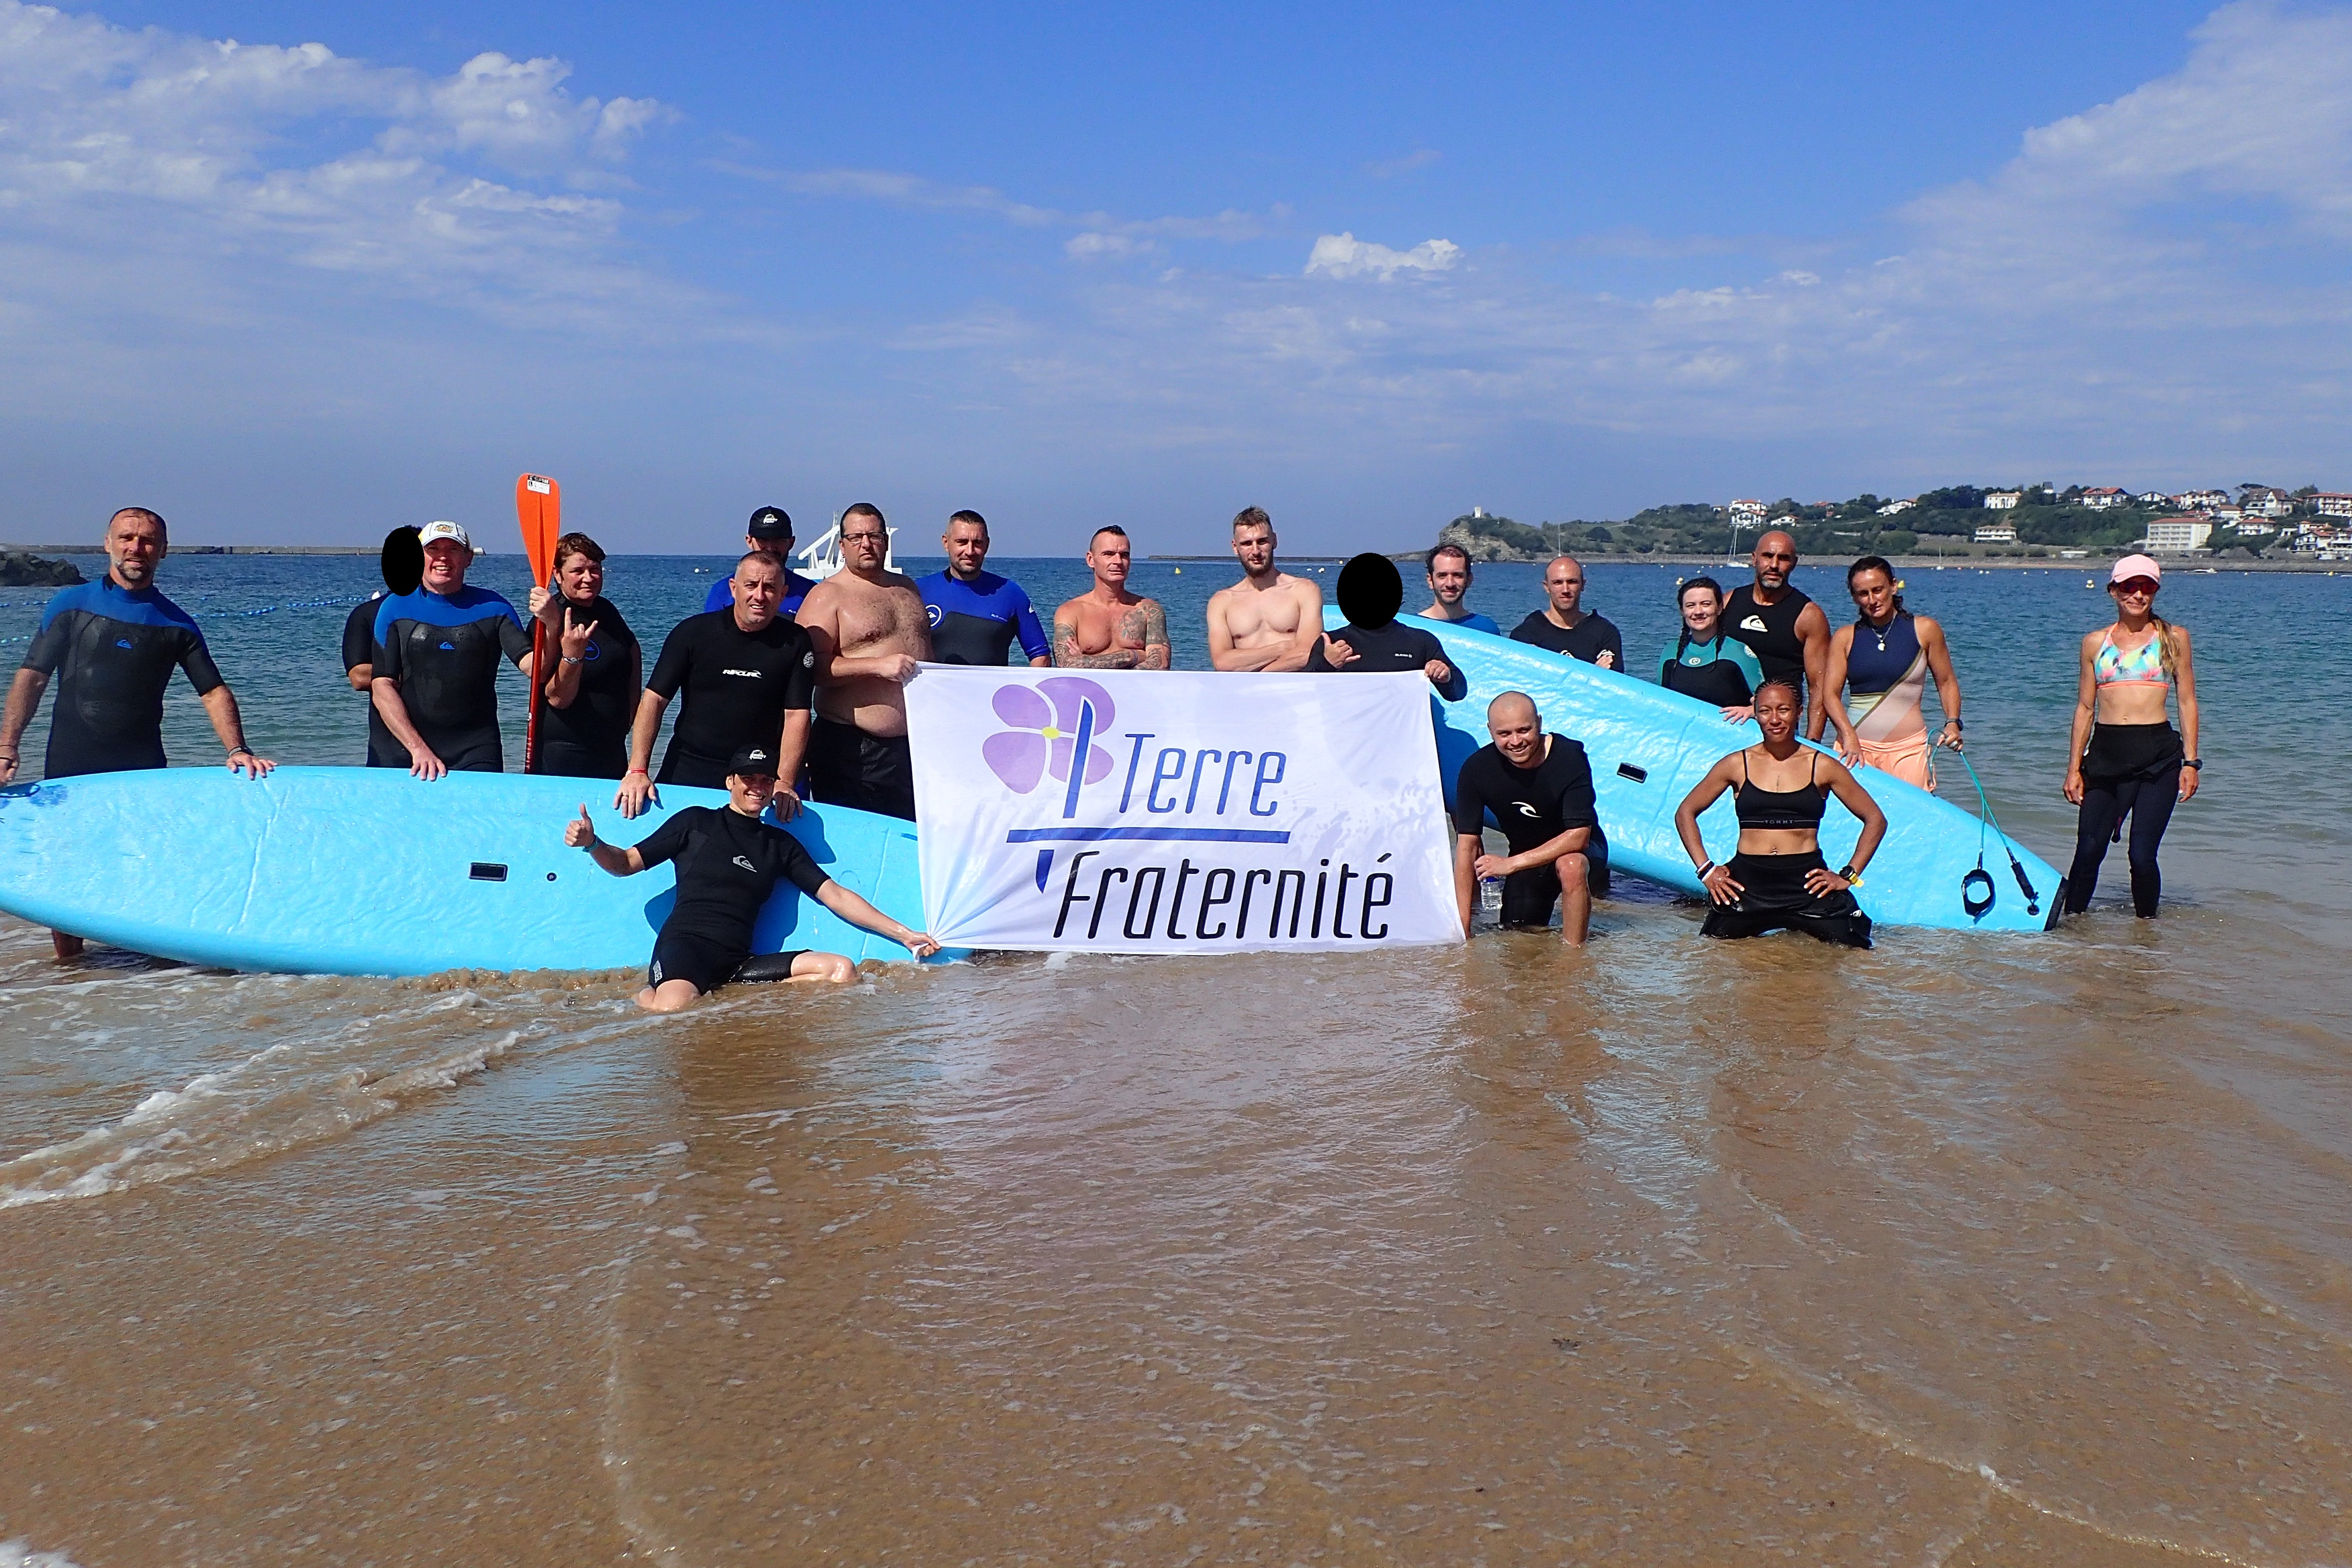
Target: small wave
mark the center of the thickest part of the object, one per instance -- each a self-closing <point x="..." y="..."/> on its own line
<point x="19" y="1553"/>
<point x="269" y="1104"/>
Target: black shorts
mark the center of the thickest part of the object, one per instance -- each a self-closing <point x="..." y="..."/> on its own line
<point x="867" y="772"/>
<point x="569" y="759"/>
<point x="75" y="761"/>
<point x="2122" y="752"/>
<point x="706" y="965"/>
<point x="692" y="769"/>
<point x="1774" y="897"/>
<point x="1528" y="896"/>
<point x="477" y="751"/>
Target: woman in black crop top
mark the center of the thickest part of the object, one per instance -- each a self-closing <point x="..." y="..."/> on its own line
<point x="1780" y="791"/>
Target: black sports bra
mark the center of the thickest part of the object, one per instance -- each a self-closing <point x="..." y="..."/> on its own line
<point x="1801" y="808"/>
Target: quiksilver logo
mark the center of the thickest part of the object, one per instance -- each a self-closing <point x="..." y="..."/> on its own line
<point x="745" y="674"/>
<point x="746" y="864"/>
<point x="1754" y="623"/>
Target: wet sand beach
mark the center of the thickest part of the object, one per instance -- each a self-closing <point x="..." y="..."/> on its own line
<point x="1965" y="1250"/>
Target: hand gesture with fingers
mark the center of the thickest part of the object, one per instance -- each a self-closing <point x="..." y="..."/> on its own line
<point x="579" y="833"/>
<point x="576" y="636"/>
<point x="1336" y="654"/>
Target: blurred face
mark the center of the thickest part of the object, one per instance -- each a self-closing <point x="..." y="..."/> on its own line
<point x="2139" y="595"/>
<point x="1109" y="555"/>
<point x="1701" y="610"/>
<point x="1775" y="558"/>
<point x="1518" y="730"/>
<point x="967" y="547"/>
<point x="1564" y="583"/>
<point x="1253" y="548"/>
<point x="133" y="547"/>
<point x="580" y="577"/>
<point x="1449" y="579"/>
<point x="759" y="589"/>
<point x="1874" y="596"/>
<point x="446" y="561"/>
<point x="865" y="542"/>
<point x="1776" y="713"/>
<point x="749" y="792"/>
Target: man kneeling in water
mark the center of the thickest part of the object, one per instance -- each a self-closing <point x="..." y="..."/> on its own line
<point x="1780" y="790"/>
<point x="728" y="861"/>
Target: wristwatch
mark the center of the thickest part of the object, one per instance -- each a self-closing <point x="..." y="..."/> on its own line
<point x="1853" y="877"/>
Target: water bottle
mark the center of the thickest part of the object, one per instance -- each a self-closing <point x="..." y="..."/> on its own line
<point x="1490" y="894"/>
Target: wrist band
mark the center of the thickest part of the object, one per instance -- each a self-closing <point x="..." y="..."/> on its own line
<point x="1704" y="871"/>
<point x="636" y="770"/>
<point x="2196" y="763"/>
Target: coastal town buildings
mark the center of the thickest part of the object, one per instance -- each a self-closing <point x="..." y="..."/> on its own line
<point x="2332" y="503"/>
<point x="2200" y="500"/>
<point x="2156" y="498"/>
<point x="2002" y="501"/>
<point x="1747" y="513"/>
<point x="2178" y="535"/>
<point x="1996" y="533"/>
<point x="1893" y="507"/>
<point x="2105" y="496"/>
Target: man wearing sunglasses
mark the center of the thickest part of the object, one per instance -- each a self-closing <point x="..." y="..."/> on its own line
<point x="871" y="634"/>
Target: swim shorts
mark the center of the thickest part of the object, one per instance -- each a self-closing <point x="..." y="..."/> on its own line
<point x="868" y="772"/>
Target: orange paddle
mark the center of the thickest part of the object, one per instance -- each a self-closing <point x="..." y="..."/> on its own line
<point x="539" y="508"/>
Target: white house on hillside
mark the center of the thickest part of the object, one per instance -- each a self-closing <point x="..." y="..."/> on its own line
<point x="2105" y="496"/>
<point x="1751" y="512"/>
<point x="1893" y="506"/>
<point x="1997" y="533"/>
<point x="2002" y="500"/>
<point x="2178" y="535"/>
<point x="2202" y="501"/>
<point x="2332" y="503"/>
<point x="2155" y="497"/>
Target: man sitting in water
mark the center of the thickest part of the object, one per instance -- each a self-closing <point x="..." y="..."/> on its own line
<point x="1539" y="789"/>
<point x="1269" y="620"/>
<point x="871" y="634"/>
<point x="728" y="861"/>
<point x="1370" y="592"/>
<point x="1107" y="628"/>
<point x="1448" y="569"/>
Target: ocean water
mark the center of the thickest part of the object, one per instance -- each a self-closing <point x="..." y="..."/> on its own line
<point x="1964" y="1250"/>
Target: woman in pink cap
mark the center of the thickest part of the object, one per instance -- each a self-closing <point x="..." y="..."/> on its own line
<point x="2128" y="760"/>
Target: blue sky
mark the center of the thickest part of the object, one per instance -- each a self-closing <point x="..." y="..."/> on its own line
<point x="1366" y="266"/>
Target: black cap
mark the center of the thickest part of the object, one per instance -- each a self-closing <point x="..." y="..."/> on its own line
<point x="770" y="522"/>
<point x="749" y="761"/>
<point x="1370" y="591"/>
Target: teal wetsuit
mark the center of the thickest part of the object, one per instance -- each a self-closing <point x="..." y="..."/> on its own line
<point x="1724" y="673"/>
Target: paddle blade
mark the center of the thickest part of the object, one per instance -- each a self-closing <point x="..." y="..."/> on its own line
<point x="539" y="508"/>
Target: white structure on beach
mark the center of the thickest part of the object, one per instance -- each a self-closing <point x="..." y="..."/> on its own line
<point x="2178" y="535"/>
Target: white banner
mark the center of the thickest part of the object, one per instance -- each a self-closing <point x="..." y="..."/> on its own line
<point x="1133" y="811"/>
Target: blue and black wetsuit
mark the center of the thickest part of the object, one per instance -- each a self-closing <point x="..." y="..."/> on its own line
<point x="975" y="622"/>
<point x="722" y="594"/>
<point x="444" y="651"/>
<point x="111" y="650"/>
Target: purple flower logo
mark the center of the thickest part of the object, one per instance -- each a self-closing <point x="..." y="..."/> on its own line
<point x="1041" y="732"/>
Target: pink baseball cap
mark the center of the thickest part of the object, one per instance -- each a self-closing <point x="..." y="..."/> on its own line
<point x="2132" y="566"/>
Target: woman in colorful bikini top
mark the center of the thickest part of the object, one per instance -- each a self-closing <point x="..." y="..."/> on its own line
<point x="1881" y="664"/>
<point x="2126" y="760"/>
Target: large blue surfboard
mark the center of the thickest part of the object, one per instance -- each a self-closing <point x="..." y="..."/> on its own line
<point x="369" y="871"/>
<point x="1650" y="747"/>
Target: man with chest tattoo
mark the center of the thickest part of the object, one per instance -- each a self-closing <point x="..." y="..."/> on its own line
<point x="871" y="634"/>
<point x="1107" y="628"/>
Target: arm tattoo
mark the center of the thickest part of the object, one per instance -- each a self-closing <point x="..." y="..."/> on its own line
<point x="1153" y="635"/>
<point x="1068" y="656"/>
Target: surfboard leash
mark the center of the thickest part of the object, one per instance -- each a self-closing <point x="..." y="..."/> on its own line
<point x="1977" y="886"/>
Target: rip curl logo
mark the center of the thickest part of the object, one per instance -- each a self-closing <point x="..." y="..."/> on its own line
<point x="1045" y="726"/>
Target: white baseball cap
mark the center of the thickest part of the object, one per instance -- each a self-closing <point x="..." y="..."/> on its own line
<point x="445" y="529"/>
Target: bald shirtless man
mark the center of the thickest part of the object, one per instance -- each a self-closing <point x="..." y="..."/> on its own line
<point x="870" y="633"/>
<point x="1269" y="620"/>
<point x="1107" y="628"/>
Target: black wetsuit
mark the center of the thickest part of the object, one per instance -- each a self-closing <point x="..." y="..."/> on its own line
<point x="1385" y="650"/>
<point x="111" y="650"/>
<point x="1773" y="894"/>
<point x="590" y="738"/>
<point x="1586" y="640"/>
<point x="1769" y="631"/>
<point x="444" y="651"/>
<point x="359" y="649"/>
<point x="976" y="622"/>
<point x="738" y="687"/>
<point x="1532" y="807"/>
<point x="728" y="864"/>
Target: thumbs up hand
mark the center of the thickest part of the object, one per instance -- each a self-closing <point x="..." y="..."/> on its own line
<point x="581" y="833"/>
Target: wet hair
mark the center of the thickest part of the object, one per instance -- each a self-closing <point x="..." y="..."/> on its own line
<point x="1106" y="528"/>
<point x="572" y="544"/>
<point x="972" y="518"/>
<point x="864" y="509"/>
<point x="1428" y="562"/>
<point x="140" y="512"/>
<point x="1682" y="639"/>
<point x="1873" y="563"/>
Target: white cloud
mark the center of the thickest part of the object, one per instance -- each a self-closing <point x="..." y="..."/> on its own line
<point x="1101" y="233"/>
<point x="1345" y="256"/>
<point x="1392" y="167"/>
